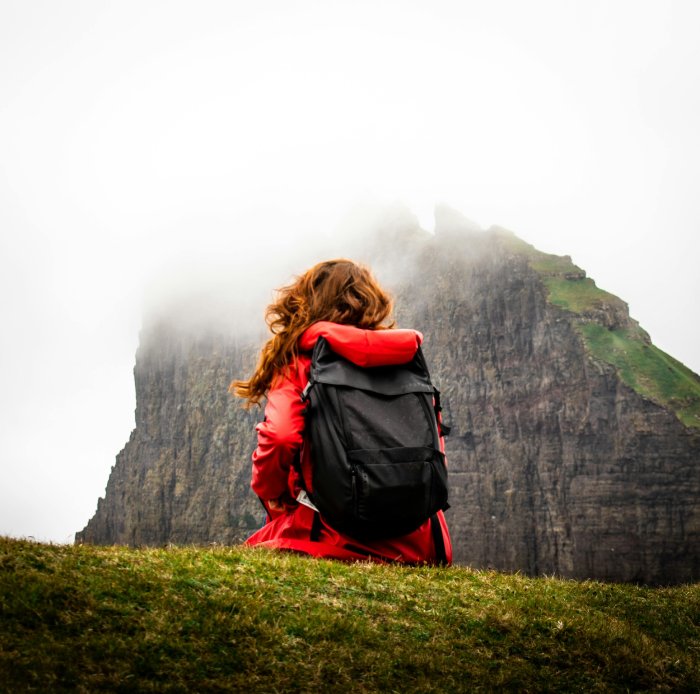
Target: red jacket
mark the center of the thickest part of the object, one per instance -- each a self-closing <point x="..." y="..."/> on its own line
<point x="281" y="437"/>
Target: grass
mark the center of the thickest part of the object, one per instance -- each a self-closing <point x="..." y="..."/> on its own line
<point x="577" y="295"/>
<point x="84" y="619"/>
<point x="647" y="369"/>
<point x="642" y="366"/>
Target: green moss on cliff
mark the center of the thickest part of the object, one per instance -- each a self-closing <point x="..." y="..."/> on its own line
<point x="647" y="369"/>
<point x="622" y="343"/>
<point x="577" y="295"/>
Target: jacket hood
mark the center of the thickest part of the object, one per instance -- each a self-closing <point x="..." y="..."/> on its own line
<point x="364" y="347"/>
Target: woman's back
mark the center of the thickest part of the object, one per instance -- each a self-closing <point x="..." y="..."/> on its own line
<point x="341" y="302"/>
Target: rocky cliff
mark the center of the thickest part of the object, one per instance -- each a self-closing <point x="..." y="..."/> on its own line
<point x="575" y="447"/>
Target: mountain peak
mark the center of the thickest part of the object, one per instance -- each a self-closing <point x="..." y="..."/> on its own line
<point x="451" y="221"/>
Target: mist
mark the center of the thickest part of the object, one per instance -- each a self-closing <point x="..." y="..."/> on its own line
<point x="151" y="153"/>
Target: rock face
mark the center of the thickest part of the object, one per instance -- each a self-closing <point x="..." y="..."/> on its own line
<point x="556" y="465"/>
<point x="183" y="477"/>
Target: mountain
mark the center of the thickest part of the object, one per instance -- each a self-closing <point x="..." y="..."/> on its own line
<point x="575" y="443"/>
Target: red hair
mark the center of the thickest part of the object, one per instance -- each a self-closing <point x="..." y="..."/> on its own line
<point x="339" y="291"/>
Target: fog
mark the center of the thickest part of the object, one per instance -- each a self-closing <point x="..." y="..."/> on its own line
<point x="148" y="148"/>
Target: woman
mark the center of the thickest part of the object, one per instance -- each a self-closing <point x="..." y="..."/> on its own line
<point x="340" y="301"/>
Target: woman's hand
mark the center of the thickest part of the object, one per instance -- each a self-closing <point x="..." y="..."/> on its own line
<point x="283" y="504"/>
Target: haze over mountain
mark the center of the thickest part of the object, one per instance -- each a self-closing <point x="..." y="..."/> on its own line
<point x="575" y="442"/>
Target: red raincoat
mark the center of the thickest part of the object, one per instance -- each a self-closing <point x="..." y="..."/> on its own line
<point x="281" y="437"/>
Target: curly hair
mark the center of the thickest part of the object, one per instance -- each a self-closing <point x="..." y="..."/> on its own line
<point x="340" y="291"/>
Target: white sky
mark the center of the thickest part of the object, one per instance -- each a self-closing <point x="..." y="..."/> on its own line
<point x="138" y="137"/>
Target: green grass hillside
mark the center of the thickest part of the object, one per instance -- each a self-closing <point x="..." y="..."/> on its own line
<point x="642" y="366"/>
<point x="85" y="619"/>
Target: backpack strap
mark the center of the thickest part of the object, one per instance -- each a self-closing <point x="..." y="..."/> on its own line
<point x="444" y="429"/>
<point x="315" y="533"/>
<point x="438" y="540"/>
<point x="307" y="390"/>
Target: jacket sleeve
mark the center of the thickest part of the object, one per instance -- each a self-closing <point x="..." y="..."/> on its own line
<point x="365" y="347"/>
<point x="280" y="436"/>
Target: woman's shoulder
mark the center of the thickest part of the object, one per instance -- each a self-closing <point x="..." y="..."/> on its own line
<point x="296" y="373"/>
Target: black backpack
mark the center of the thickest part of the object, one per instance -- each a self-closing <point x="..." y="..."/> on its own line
<point x="378" y="471"/>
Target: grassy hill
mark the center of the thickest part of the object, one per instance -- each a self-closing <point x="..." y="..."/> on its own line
<point x="642" y="366"/>
<point x="83" y="618"/>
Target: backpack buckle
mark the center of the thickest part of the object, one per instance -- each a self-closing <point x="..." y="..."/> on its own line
<point x="305" y="392"/>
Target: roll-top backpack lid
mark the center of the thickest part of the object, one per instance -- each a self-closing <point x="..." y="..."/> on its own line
<point x="390" y="380"/>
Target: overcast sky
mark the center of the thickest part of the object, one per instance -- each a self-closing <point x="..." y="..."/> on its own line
<point x="152" y="139"/>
